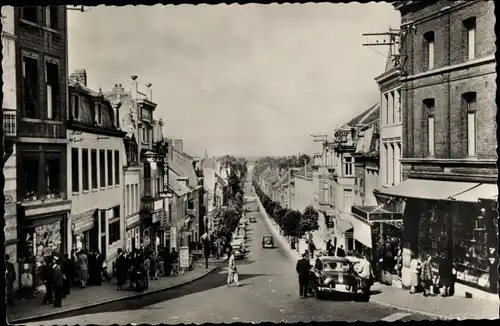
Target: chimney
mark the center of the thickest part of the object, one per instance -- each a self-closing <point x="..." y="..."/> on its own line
<point x="80" y="75"/>
<point x="134" y="87"/>
<point x="178" y="145"/>
<point x="150" y="91"/>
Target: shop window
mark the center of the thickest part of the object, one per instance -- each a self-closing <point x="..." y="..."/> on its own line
<point x="114" y="232"/>
<point x="52" y="89"/>
<point x="470" y="37"/>
<point x="102" y="167"/>
<point x="30" y="14"/>
<point x="52" y="17"/>
<point x="75" y="170"/>
<point x="75" y="107"/>
<point x="110" y="167"/>
<point x="93" y="167"/>
<point x="117" y="167"/>
<point x="31" y="164"/>
<point x="85" y="169"/>
<point x="429" y="50"/>
<point x="53" y="170"/>
<point x="31" y="104"/>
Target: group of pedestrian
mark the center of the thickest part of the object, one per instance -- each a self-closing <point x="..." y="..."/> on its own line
<point x="332" y="251"/>
<point x="424" y="280"/>
<point x="141" y="266"/>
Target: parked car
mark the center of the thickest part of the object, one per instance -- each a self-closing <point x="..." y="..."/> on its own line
<point x="239" y="253"/>
<point x="240" y="239"/>
<point x="335" y="274"/>
<point x="267" y="242"/>
<point x="253" y="219"/>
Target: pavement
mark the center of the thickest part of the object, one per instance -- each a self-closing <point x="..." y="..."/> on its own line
<point x="27" y="310"/>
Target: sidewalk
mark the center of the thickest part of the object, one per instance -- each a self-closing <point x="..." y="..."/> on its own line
<point x="26" y="310"/>
<point x="444" y="308"/>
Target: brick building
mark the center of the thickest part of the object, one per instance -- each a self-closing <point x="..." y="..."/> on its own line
<point x="96" y="155"/>
<point x="449" y="159"/>
<point x="41" y="144"/>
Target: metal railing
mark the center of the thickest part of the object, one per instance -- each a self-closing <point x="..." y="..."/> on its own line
<point x="41" y="128"/>
<point x="9" y="122"/>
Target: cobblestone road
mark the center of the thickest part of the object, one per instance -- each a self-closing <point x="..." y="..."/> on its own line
<point x="269" y="292"/>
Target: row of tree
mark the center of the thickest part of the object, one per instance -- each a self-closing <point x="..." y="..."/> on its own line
<point x="293" y="223"/>
<point x="284" y="162"/>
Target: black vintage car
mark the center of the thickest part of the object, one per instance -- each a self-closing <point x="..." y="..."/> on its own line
<point x="267" y="242"/>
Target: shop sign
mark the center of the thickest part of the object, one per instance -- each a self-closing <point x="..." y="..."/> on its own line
<point x="184" y="257"/>
<point x="156" y="217"/>
<point x="132" y="220"/>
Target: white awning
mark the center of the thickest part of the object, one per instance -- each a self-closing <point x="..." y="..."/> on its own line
<point x="428" y="189"/>
<point x="482" y="190"/>
<point x="362" y="231"/>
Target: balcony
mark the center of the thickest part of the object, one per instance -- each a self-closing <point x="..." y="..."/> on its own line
<point x="9" y="123"/>
<point x="38" y="128"/>
<point x="151" y="206"/>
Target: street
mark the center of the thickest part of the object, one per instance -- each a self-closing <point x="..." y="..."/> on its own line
<point x="269" y="292"/>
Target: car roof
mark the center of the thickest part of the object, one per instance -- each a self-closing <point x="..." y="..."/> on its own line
<point x="334" y="259"/>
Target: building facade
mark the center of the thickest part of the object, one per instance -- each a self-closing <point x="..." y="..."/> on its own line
<point x="95" y="171"/>
<point x="132" y="199"/>
<point x="9" y="113"/>
<point x="449" y="160"/>
<point x="41" y="144"/>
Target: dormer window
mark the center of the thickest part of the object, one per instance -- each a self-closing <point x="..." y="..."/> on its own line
<point x="75" y="107"/>
<point x="98" y="113"/>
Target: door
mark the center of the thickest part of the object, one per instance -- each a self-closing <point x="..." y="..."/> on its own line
<point x="104" y="244"/>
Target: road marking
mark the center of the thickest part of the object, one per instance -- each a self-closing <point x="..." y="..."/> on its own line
<point x="396" y="316"/>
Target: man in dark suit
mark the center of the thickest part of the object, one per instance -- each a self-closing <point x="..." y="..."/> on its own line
<point x="303" y="268"/>
<point x="57" y="282"/>
<point x="340" y="251"/>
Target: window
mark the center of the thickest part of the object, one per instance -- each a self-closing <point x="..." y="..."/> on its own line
<point x="51" y="17"/>
<point x="400" y="170"/>
<point x="75" y="170"/>
<point x="85" y="169"/>
<point x="147" y="170"/>
<point x="75" y="107"/>
<point x="110" y="167"/>
<point x="30" y="14"/>
<point x="127" y="200"/>
<point x="470" y="105"/>
<point x="386" y="108"/>
<point x="429" y="49"/>
<point x="93" y="167"/>
<point x="53" y="166"/>
<point x="114" y="231"/>
<point x="324" y="194"/>
<point x="52" y="88"/>
<point x="399" y="105"/>
<point x="31" y="164"/>
<point x="348" y="167"/>
<point x="98" y="113"/>
<point x="394" y="163"/>
<point x="470" y="38"/>
<point x="30" y="87"/>
<point x="395" y="110"/>
<point x="102" y="167"/>
<point x="429" y="104"/>
<point x="347" y="200"/>
<point x="117" y="167"/>
<point x="390" y="109"/>
<point x="385" y="163"/>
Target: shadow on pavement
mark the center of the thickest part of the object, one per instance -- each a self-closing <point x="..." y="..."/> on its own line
<point x="210" y="282"/>
<point x="344" y="296"/>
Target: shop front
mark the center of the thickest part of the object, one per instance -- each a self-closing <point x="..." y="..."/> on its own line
<point x="343" y="232"/>
<point x="158" y="232"/>
<point x="84" y="231"/>
<point x="134" y="229"/>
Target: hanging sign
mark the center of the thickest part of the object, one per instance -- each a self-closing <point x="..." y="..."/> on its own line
<point x="184" y="257"/>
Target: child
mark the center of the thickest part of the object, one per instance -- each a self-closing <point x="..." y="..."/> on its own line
<point x="26" y="283"/>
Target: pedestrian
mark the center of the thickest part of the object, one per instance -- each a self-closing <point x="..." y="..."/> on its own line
<point x="57" y="282"/>
<point x="445" y="274"/>
<point x="415" y="267"/>
<point x="366" y="274"/>
<point x="67" y="271"/>
<point x="340" y="251"/>
<point x="206" y="250"/>
<point x="121" y="269"/>
<point x="329" y="248"/>
<point x="26" y="283"/>
<point x="47" y="277"/>
<point x="426" y="276"/>
<point x="147" y="268"/>
<point x="232" y="276"/>
<point x="154" y="265"/>
<point x="83" y="268"/>
<point x="98" y="260"/>
<point x="161" y="266"/>
<point x="174" y="257"/>
<point x="10" y="278"/>
<point x="303" y="268"/>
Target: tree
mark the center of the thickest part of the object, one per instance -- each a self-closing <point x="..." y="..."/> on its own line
<point x="279" y="214"/>
<point x="308" y="221"/>
<point x="224" y="221"/>
<point x="304" y="158"/>
<point x="291" y="222"/>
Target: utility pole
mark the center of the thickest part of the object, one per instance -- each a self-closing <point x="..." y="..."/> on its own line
<point x="392" y="38"/>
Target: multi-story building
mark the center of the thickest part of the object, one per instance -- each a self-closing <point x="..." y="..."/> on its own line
<point x="9" y="112"/>
<point x="132" y="198"/>
<point x="449" y="160"/>
<point x="41" y="144"/>
<point x="95" y="170"/>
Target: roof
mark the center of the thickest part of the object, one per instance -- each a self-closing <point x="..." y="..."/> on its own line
<point x="179" y="188"/>
<point x="366" y="117"/>
<point x="220" y="179"/>
<point x="82" y="88"/>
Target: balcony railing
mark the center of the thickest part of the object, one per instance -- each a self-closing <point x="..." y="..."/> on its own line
<point x="41" y="128"/>
<point x="9" y="123"/>
<point x="153" y="206"/>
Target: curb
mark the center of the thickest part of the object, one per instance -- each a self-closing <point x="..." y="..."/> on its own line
<point x="414" y="311"/>
<point x="100" y="303"/>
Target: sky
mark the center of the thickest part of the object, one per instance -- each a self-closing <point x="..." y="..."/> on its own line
<point x="238" y="79"/>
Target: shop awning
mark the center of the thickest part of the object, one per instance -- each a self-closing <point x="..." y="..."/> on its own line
<point x="479" y="191"/>
<point x="427" y="189"/>
<point x="362" y="230"/>
<point x="341" y="226"/>
<point x="375" y="213"/>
